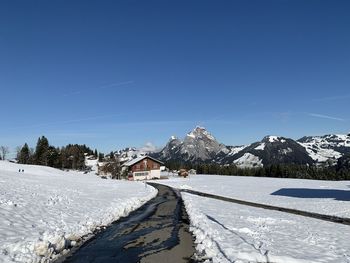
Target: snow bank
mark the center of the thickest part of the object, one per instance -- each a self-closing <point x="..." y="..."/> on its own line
<point x="45" y="211"/>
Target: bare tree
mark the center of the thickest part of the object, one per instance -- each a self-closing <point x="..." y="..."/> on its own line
<point x="18" y="152"/>
<point x="4" y="150"/>
<point x="112" y="167"/>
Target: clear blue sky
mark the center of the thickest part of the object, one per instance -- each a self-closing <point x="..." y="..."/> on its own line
<point x="122" y="73"/>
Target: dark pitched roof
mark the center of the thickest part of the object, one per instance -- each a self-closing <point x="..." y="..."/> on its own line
<point x="136" y="160"/>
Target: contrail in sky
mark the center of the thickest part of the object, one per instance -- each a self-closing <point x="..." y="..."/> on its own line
<point x="116" y="84"/>
<point x="332" y="98"/>
<point x="112" y="85"/>
<point x="325" y="117"/>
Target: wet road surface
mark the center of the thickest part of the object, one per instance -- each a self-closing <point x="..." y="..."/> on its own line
<point x="156" y="232"/>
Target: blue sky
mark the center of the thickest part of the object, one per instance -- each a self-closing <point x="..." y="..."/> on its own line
<point x="113" y="74"/>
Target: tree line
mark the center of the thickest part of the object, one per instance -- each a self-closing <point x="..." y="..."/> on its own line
<point x="341" y="171"/>
<point x="71" y="156"/>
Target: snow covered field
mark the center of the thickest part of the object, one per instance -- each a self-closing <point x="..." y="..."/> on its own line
<point x="323" y="197"/>
<point x="45" y="210"/>
<point x="227" y="232"/>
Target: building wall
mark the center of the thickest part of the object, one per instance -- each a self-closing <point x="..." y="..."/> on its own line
<point x="145" y="170"/>
<point x="142" y="166"/>
<point x="137" y="176"/>
<point x="145" y="175"/>
<point x="155" y="174"/>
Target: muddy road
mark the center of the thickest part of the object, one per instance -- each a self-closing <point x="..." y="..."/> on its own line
<point x="156" y="232"/>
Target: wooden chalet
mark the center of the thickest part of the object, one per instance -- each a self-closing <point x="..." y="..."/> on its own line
<point x="143" y="168"/>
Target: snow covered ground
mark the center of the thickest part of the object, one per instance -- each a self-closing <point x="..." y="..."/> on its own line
<point x="227" y="232"/>
<point x="324" y="197"/>
<point x="45" y="210"/>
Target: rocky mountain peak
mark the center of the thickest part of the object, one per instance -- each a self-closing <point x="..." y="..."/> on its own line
<point x="173" y="138"/>
<point x="200" y="133"/>
<point x="198" y="145"/>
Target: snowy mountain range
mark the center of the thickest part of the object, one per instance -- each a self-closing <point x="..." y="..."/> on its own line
<point x="200" y="146"/>
<point x="326" y="148"/>
<point x="129" y="153"/>
<point x="271" y="150"/>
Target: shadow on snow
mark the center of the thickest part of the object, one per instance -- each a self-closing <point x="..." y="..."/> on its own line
<point x="340" y="195"/>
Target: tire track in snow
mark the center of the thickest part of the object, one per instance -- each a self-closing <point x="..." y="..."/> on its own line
<point x="334" y="219"/>
<point x="329" y="218"/>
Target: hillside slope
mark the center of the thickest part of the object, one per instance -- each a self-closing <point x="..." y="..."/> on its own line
<point x="44" y="211"/>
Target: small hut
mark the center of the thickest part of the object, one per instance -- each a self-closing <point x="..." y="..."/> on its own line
<point x="183" y="173"/>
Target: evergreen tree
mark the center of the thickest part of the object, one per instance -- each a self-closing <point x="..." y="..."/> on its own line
<point x="53" y="157"/>
<point x="73" y="157"/>
<point x="41" y="151"/>
<point x="68" y="157"/>
<point x="101" y="157"/>
<point x="24" y="154"/>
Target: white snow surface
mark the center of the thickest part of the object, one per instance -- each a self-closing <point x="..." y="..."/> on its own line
<point x="228" y="232"/>
<point x="273" y="138"/>
<point x="93" y="163"/>
<point x="236" y="149"/>
<point x="248" y="160"/>
<point x="261" y="146"/>
<point x="43" y="210"/>
<point x="324" y="148"/>
<point x="191" y="135"/>
<point x="260" y="190"/>
<point x="320" y="147"/>
<point x="321" y="155"/>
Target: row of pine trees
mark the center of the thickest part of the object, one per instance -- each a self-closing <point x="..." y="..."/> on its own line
<point x="341" y="171"/>
<point x="71" y="156"/>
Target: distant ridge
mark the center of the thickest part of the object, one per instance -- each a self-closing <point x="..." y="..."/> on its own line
<point x="200" y="146"/>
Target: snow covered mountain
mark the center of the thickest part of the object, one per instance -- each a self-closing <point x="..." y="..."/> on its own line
<point x="126" y="154"/>
<point x="232" y="150"/>
<point x="270" y="150"/>
<point x="129" y="153"/>
<point x="171" y="149"/>
<point x="198" y="146"/>
<point x="327" y="148"/>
